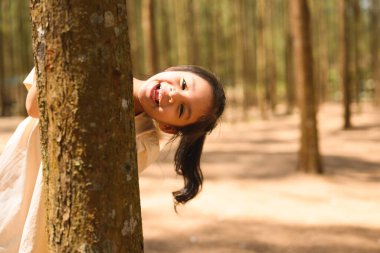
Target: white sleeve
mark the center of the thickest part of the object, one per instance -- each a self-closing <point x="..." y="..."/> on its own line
<point x="29" y="80"/>
<point x="148" y="149"/>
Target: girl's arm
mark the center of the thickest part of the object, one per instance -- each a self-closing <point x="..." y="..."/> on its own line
<point x="31" y="100"/>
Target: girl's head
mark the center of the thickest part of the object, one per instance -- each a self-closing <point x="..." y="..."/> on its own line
<point x="186" y="101"/>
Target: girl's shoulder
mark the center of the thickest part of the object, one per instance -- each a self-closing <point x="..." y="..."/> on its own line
<point x="144" y="124"/>
<point x="29" y="80"/>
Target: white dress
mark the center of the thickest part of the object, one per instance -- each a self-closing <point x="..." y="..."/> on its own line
<point x="22" y="211"/>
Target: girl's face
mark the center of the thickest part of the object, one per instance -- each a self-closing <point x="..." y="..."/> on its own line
<point x="175" y="98"/>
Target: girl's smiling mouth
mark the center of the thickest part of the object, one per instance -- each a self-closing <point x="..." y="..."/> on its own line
<point x="155" y="94"/>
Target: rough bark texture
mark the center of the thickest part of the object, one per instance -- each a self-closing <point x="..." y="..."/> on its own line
<point x="87" y="125"/>
<point x="309" y="157"/>
<point x="343" y="63"/>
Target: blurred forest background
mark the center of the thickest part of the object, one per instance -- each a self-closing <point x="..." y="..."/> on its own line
<point x="247" y="43"/>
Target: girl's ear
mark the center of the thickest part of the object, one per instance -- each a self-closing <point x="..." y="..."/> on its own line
<point x="167" y="128"/>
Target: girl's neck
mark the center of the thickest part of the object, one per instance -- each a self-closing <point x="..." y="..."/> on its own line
<point x="136" y="85"/>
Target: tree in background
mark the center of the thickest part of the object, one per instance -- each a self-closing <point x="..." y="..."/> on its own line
<point x="226" y="37"/>
<point x="309" y="159"/>
<point x="85" y="99"/>
<point x="289" y="64"/>
<point x="150" y="37"/>
<point x="262" y="58"/>
<point x="271" y="55"/>
<point x="320" y="49"/>
<point x="2" y="90"/>
<point x="375" y="47"/>
<point x="355" y="62"/>
<point x="344" y="62"/>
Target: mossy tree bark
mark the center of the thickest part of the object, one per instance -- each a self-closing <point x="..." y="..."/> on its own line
<point x="87" y="125"/>
<point x="309" y="159"/>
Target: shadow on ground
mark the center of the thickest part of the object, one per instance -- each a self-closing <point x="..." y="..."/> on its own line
<point x="259" y="237"/>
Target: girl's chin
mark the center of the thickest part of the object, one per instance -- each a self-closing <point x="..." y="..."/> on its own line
<point x="151" y="114"/>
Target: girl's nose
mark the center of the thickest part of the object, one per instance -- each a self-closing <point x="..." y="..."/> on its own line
<point x="172" y="94"/>
<point x="168" y="94"/>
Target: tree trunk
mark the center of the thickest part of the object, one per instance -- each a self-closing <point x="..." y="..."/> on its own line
<point x="215" y="36"/>
<point x="355" y="37"/>
<point x="191" y="28"/>
<point x="289" y="65"/>
<point x="309" y="157"/>
<point x="262" y="80"/>
<point x="245" y="11"/>
<point x="324" y="52"/>
<point x="2" y="86"/>
<point x="82" y="58"/>
<point x="375" y="48"/>
<point x="343" y="63"/>
<point x="164" y="40"/>
<point x="271" y="55"/>
<point x="134" y="9"/>
<point x="150" y="40"/>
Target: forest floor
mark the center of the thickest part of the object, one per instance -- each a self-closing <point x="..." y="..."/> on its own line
<point x="253" y="200"/>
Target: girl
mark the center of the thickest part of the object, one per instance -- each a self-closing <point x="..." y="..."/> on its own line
<point x="185" y="101"/>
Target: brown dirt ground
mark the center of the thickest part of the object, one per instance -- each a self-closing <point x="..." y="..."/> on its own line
<point x="254" y="201"/>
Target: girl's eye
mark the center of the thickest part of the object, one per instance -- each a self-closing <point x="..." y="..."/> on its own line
<point x="183" y="84"/>
<point x="181" y="108"/>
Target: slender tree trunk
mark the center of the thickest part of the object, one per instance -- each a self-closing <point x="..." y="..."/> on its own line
<point x="250" y="67"/>
<point x="150" y="40"/>
<point x="22" y="52"/>
<point x="343" y="63"/>
<point x="375" y="47"/>
<point x="309" y="157"/>
<point x="132" y="10"/>
<point x="318" y="39"/>
<point x="355" y="36"/>
<point x="82" y="58"/>
<point x="289" y="65"/>
<point x="238" y="32"/>
<point x="245" y="11"/>
<point x="324" y="53"/>
<point x="271" y="56"/>
<point x="191" y="28"/>
<point x="9" y="66"/>
<point x="138" y="41"/>
<point x="2" y="86"/>
<point x="215" y="34"/>
<point x="262" y="80"/>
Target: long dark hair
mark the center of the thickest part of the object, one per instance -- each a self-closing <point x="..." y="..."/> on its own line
<point x="192" y="137"/>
